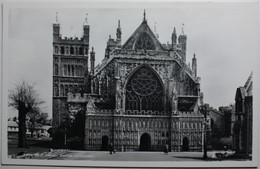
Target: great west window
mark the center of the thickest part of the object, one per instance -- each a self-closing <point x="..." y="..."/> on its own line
<point x="144" y="91"/>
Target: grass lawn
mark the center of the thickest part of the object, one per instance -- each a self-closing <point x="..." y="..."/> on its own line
<point x="35" y="145"/>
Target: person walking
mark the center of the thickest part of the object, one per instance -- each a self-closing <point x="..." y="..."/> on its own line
<point x="166" y="149"/>
<point x="111" y="148"/>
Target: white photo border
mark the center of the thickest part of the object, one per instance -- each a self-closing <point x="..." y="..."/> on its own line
<point x="104" y="4"/>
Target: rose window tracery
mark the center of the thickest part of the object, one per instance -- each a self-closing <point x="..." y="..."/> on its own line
<point x="144" y="84"/>
<point x="144" y="91"/>
<point x="144" y="42"/>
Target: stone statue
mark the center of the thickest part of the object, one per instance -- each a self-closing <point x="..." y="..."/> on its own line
<point x="174" y="100"/>
<point x="91" y="105"/>
<point x="118" y="98"/>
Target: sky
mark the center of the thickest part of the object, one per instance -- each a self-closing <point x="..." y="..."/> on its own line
<point x="223" y="36"/>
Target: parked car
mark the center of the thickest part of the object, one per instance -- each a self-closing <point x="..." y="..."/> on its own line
<point x="224" y="155"/>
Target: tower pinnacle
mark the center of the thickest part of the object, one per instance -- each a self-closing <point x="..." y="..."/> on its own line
<point x="118" y="32"/>
<point x="155" y="31"/>
<point x="144" y="17"/>
<point x="57" y="20"/>
<point x="194" y="65"/>
<point x="86" y="20"/>
<point x="174" y="37"/>
<point x="182" y="29"/>
<point x="92" y="61"/>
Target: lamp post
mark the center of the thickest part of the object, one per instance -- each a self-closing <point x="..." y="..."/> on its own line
<point x="204" y="110"/>
<point x="65" y="137"/>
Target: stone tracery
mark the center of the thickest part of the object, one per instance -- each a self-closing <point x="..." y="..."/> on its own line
<point x="144" y="91"/>
<point x="144" y="42"/>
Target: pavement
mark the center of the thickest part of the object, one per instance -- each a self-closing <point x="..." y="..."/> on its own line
<point x="60" y="154"/>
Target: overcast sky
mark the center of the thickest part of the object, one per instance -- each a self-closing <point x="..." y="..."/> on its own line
<point x="223" y="36"/>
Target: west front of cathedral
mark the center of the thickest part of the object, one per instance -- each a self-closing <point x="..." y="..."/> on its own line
<point x="141" y="97"/>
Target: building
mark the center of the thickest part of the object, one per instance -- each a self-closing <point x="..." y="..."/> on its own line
<point x="228" y="113"/>
<point x="70" y="65"/>
<point x="12" y="128"/>
<point x="242" y="139"/>
<point x="222" y="122"/>
<point x="39" y="130"/>
<point x="141" y="97"/>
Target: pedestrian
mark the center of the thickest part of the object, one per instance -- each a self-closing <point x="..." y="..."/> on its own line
<point x="111" y="148"/>
<point x="166" y="149"/>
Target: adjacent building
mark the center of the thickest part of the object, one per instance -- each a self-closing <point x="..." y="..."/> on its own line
<point x="242" y="139"/>
<point x="38" y="131"/>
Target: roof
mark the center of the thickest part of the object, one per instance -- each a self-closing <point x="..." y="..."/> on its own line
<point x="211" y="110"/>
<point x="246" y="90"/>
<point x="12" y="124"/>
<point x="142" y="29"/>
<point x="249" y="81"/>
<point x="249" y="85"/>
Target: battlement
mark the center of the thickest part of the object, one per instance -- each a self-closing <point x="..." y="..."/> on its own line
<point x="77" y="97"/>
<point x="57" y="36"/>
<point x="189" y="114"/>
<point x="84" y="98"/>
<point x="71" y="40"/>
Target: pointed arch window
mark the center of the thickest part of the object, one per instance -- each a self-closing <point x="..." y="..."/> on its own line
<point x="144" y="42"/>
<point x="144" y="91"/>
<point x="56" y="49"/>
<point x="81" y="51"/>
<point x="56" y="72"/>
<point x="56" y="90"/>
<point x="66" y="90"/>
<point x="61" y="90"/>
<point x="65" y="70"/>
<point x="62" y="50"/>
<point x="71" y="50"/>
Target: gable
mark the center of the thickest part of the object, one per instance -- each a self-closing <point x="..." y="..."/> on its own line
<point x="143" y="39"/>
<point x="240" y="93"/>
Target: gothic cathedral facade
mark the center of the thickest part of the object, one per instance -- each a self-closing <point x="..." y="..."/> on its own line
<point x="141" y="97"/>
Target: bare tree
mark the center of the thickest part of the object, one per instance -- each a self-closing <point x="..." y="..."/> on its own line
<point x="25" y="99"/>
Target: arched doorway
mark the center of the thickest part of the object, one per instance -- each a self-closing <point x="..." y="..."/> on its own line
<point x="104" y="145"/>
<point x="185" y="144"/>
<point x="145" y="142"/>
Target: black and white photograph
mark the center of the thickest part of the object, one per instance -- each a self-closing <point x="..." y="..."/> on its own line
<point x="130" y="84"/>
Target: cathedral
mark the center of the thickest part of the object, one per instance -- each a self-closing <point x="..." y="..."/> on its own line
<point x="141" y="97"/>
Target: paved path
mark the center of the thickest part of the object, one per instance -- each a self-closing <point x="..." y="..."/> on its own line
<point x="121" y="156"/>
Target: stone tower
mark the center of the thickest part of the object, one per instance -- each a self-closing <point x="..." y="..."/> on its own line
<point x="70" y="69"/>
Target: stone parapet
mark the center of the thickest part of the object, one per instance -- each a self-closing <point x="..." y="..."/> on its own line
<point x="77" y="97"/>
<point x="145" y="112"/>
<point x="101" y="112"/>
<point x="69" y="40"/>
